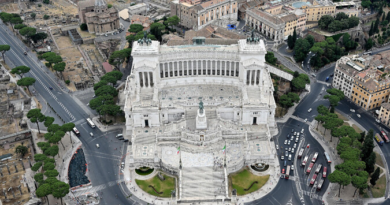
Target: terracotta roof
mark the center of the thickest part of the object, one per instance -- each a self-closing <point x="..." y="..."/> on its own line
<point x="107" y="67"/>
<point x="289" y="18"/>
<point x="267" y="16"/>
<point x="85" y="4"/>
<point x="210" y="3"/>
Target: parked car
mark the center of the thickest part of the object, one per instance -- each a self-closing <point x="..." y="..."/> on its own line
<point x="295" y="145"/>
<point x="91" y="134"/>
<point x="282" y="157"/>
<point x="289" y="142"/>
<point x="289" y="149"/>
<point x="286" y="154"/>
<point x="309" y="110"/>
<point x="283" y="171"/>
<point x="285" y="141"/>
<point x="352" y="110"/>
<point x="292" y="167"/>
<point x="308" y="145"/>
<point x="292" y="150"/>
<point x="97" y="145"/>
<point x="358" y="115"/>
<point x="277" y="146"/>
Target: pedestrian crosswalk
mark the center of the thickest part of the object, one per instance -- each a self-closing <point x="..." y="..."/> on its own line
<point x="312" y="195"/>
<point x="94" y="189"/>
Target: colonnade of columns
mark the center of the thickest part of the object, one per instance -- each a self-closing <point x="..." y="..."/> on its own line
<point x="146" y="79"/>
<point x="199" y="67"/>
<point x="253" y="77"/>
<point x="265" y="29"/>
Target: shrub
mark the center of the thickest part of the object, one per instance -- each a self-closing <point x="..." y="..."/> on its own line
<point x="39" y="5"/>
<point x="46" y="17"/>
<point x="46" y="1"/>
<point x="67" y="82"/>
<point x="84" y="27"/>
<point x="109" y="5"/>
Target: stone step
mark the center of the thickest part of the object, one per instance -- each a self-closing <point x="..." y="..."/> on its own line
<point x="145" y="139"/>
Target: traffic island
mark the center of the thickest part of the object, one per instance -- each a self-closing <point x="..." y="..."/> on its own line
<point x="158" y="186"/>
<point x="245" y="182"/>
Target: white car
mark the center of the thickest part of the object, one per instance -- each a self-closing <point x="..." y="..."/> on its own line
<point x="298" y="134"/>
<point x="297" y="140"/>
<point x="303" y="130"/>
<point x="305" y="120"/>
<point x="295" y="145"/>
<point x="309" y="110"/>
<point x="358" y="115"/>
<point x="292" y="150"/>
<point x="352" y="110"/>
<point x="289" y="142"/>
<point x="289" y="149"/>
<point x="295" y="133"/>
<point x="282" y="157"/>
<point x="277" y="146"/>
<point x="289" y="157"/>
<point x="292" y="167"/>
<point x="91" y="134"/>
<point x="285" y="141"/>
<point x="97" y="145"/>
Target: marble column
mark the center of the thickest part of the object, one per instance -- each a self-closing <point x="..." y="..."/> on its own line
<point x="225" y="67"/>
<point x="250" y="77"/>
<point x="188" y="73"/>
<point x="163" y="67"/>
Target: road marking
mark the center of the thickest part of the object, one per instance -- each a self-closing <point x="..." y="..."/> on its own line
<point x="96" y="188"/>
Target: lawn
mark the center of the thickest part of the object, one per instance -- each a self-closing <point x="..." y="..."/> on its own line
<point x="244" y="179"/>
<point x="340" y="116"/>
<point x="379" y="160"/>
<point x="161" y="186"/>
<point x="357" y="129"/>
<point x="379" y="189"/>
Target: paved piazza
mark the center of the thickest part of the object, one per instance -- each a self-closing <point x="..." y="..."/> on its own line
<point x="200" y="112"/>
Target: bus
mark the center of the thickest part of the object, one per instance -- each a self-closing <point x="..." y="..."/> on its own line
<point x="309" y="168"/>
<point x="379" y="139"/>
<point x="385" y="137"/>
<point x="319" y="186"/>
<point x="304" y="161"/>
<point x="313" y="179"/>
<point x="300" y="153"/>
<point x="76" y="131"/>
<point x="318" y="169"/>
<point x="90" y="123"/>
<point x="327" y="157"/>
<point x="287" y="175"/>
<point x="315" y="157"/>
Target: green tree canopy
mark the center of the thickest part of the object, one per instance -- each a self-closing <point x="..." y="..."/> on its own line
<point x="135" y="28"/>
<point x="301" y="49"/>
<point x="340" y="178"/>
<point x="60" y="189"/>
<point x="22" y="150"/>
<point x="39" y="178"/>
<point x="26" y="82"/>
<point x="48" y="121"/>
<point x="173" y="21"/>
<point x="99" y="84"/>
<point x="33" y="15"/>
<point x="4" y="48"/>
<point x="20" y="70"/>
<point x="19" y="26"/>
<point x="375" y="176"/>
<point x="40" y="157"/>
<point x="48" y="166"/>
<point x="27" y="31"/>
<point x="106" y="90"/>
<point x="35" y="116"/>
<point x="39" y="37"/>
<point x="51" y="173"/>
<point x="84" y="27"/>
<point x="118" y="57"/>
<point x="270" y="58"/>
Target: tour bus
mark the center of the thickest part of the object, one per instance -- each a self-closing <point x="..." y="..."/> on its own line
<point x="89" y="121"/>
<point x="318" y="169"/>
<point x="313" y="179"/>
<point x="287" y="175"/>
<point x="76" y="132"/>
<point x="385" y="136"/>
<point x="327" y="157"/>
<point x="379" y="139"/>
<point x="324" y="172"/>
<point x="300" y="153"/>
<point x="319" y="186"/>
<point x="304" y="161"/>
<point x="315" y="157"/>
<point x="309" y="168"/>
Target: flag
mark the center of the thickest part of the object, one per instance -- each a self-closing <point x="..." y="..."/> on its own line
<point x="223" y="149"/>
<point x="178" y="150"/>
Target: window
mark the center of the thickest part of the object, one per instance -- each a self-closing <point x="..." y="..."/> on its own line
<point x="145" y="115"/>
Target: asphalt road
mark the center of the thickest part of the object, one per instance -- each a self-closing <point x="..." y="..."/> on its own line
<point x="103" y="162"/>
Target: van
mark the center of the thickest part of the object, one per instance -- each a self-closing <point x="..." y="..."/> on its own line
<point x="119" y="135"/>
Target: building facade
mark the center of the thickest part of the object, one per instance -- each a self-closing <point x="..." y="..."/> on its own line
<point x="271" y="26"/>
<point x="197" y="15"/>
<point x="344" y="75"/>
<point x="317" y="10"/>
<point x="99" y="18"/>
<point x="290" y="23"/>
<point x="186" y="103"/>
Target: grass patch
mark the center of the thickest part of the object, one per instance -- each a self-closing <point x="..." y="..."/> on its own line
<point x="379" y="189"/>
<point x="280" y="111"/>
<point x="378" y="160"/>
<point x="243" y="180"/>
<point x="337" y="36"/>
<point x="161" y="186"/>
<point x="282" y="67"/>
<point x="144" y="171"/>
<point x="357" y="129"/>
<point x="340" y="116"/>
<point x="346" y="123"/>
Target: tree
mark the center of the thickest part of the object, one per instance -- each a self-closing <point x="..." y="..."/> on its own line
<point x="322" y="110"/>
<point x="351" y="154"/>
<point x="296" y="74"/>
<point x="270" y="58"/>
<point x="106" y="90"/>
<point x="341" y="15"/>
<point x="295" y="35"/>
<point x="33" y="15"/>
<point x="366" y="3"/>
<point x="157" y="30"/>
<point x="294" y="97"/>
<point x="57" y="136"/>
<point x="173" y="21"/>
<point x="39" y="37"/>
<point x="36" y="166"/>
<point x="22" y="150"/>
<point x="27" y="81"/>
<point x="3" y="49"/>
<point x="51" y="173"/>
<point x="118" y="57"/>
<point x="116" y="74"/>
<point x="51" y="151"/>
<point x="46" y="1"/>
<point x="110" y="79"/>
<point x="39" y="178"/>
<point x="301" y="49"/>
<point x="109" y="6"/>
<point x="43" y="191"/>
<point x="60" y="67"/>
<point x="370" y="163"/>
<point x="20" y="70"/>
<point x="36" y="116"/>
<point x="99" y="84"/>
<point x="325" y="21"/>
<point x="6" y="17"/>
<point x="135" y="28"/>
<point x="19" y="26"/>
<point x="84" y="27"/>
<point x="353" y="21"/>
<point x="40" y="157"/>
<point x="52" y="58"/>
<point x="48" y="121"/>
<point x="109" y="110"/>
<point x="368" y="145"/>
<point x="27" y="31"/>
<point x="375" y="176"/>
<point x="369" y="44"/>
<point x="311" y="40"/>
<point x="298" y="84"/>
<point x="359" y="181"/>
<point x="43" y="145"/>
<point x="376" y="26"/>
<point x="48" y="166"/>
<point x="68" y="127"/>
<point x="340" y="178"/>
<point x="285" y="101"/>
<point x="351" y="167"/>
<point x="290" y="42"/>
<point x="101" y="100"/>
<point x="53" y="128"/>
<point x="371" y="32"/>
<point x="60" y="189"/>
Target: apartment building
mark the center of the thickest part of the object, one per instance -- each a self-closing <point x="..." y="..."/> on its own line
<point x="348" y="8"/>
<point x="316" y="11"/>
<point x="384" y="114"/>
<point x="344" y="72"/>
<point x="197" y="15"/>
<point x="290" y="22"/>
